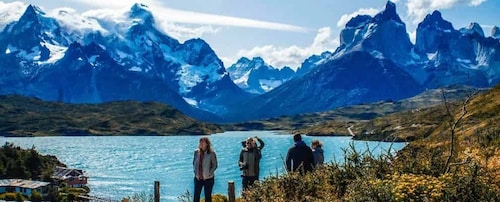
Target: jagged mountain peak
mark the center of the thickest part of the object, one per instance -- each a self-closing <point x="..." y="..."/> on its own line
<point x="141" y="12"/>
<point x="258" y="59"/>
<point x="256" y="76"/>
<point x="384" y="36"/>
<point x="30" y="15"/>
<point x="436" y="20"/>
<point x="473" y="29"/>
<point x="358" y="21"/>
<point x="246" y="64"/>
<point x="389" y="13"/>
<point x="33" y="10"/>
<point x="495" y="32"/>
<point x="243" y="60"/>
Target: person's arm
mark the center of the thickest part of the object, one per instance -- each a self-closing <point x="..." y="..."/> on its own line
<point x="288" y="161"/>
<point x="194" y="160"/>
<point x="194" y="156"/>
<point x="321" y="157"/>
<point x="311" y="156"/>
<point x="213" y="162"/>
<point x="240" y="161"/>
<point x="261" y="143"/>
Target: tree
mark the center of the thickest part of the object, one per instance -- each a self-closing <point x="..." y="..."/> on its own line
<point x="33" y="164"/>
<point x="453" y="122"/>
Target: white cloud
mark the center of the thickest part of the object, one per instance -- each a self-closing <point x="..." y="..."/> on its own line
<point x="291" y="56"/>
<point x="363" y="11"/>
<point x="118" y="4"/>
<point x="10" y="12"/>
<point x="418" y="9"/>
<point x="184" y="32"/>
<point x="181" y="16"/>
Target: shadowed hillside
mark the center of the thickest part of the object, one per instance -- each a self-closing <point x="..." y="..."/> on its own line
<point x="23" y="116"/>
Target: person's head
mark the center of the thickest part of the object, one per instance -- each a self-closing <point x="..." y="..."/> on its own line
<point x="297" y="138"/>
<point x="205" y="144"/>
<point x="316" y="144"/>
<point x="250" y="143"/>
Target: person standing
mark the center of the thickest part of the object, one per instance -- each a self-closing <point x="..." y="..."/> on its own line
<point x="249" y="161"/>
<point x="299" y="157"/>
<point x="204" y="166"/>
<point x="319" y="158"/>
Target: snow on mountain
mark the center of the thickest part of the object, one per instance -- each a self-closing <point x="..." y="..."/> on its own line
<point x="431" y="31"/>
<point x="38" y="41"/>
<point x="355" y="78"/>
<point x="256" y="76"/>
<point x="384" y="35"/>
<point x="495" y="32"/>
<point x="312" y="62"/>
<point x="462" y="56"/>
<point x="473" y="28"/>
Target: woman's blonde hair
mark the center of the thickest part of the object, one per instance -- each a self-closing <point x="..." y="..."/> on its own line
<point x="317" y="143"/>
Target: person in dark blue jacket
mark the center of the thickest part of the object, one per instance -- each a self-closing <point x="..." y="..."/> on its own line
<point x="299" y="157"/>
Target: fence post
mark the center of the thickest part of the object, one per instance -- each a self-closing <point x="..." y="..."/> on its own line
<point x="157" y="191"/>
<point x="230" y="191"/>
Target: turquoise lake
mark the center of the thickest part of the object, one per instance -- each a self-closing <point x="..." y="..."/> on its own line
<point x="120" y="166"/>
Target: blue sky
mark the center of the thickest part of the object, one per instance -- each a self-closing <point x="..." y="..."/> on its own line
<point x="282" y="32"/>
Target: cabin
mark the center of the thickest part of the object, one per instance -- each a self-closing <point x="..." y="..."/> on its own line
<point x="26" y="187"/>
<point x="72" y="177"/>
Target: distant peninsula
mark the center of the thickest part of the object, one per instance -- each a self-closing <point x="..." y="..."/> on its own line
<point x="27" y="117"/>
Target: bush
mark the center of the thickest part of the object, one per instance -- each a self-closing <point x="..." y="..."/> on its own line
<point x="363" y="177"/>
<point x="36" y="196"/>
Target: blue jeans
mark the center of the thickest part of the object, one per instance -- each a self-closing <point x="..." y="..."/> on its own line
<point x="199" y="184"/>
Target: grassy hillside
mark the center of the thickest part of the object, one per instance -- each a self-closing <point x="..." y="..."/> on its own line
<point x="431" y="168"/>
<point x="22" y="116"/>
<point x="483" y="112"/>
<point x="337" y="121"/>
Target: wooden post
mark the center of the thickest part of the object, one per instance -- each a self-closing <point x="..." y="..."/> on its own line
<point x="230" y="191"/>
<point x="157" y="191"/>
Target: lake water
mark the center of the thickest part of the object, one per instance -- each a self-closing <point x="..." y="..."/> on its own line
<point x="120" y="166"/>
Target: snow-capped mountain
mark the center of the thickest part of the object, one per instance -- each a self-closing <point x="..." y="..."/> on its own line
<point x="312" y="62"/>
<point x="383" y="36"/>
<point x="462" y="56"/>
<point x="256" y="76"/>
<point x="355" y="78"/>
<point x="46" y="52"/>
<point x="377" y="61"/>
<point x="98" y="57"/>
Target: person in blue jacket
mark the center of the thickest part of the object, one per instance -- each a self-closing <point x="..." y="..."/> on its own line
<point x="299" y="157"/>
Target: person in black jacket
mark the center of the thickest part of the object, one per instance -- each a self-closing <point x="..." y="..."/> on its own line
<point x="249" y="161"/>
<point x="299" y="157"/>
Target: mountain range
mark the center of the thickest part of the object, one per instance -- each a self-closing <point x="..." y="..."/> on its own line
<point x="94" y="59"/>
<point x="257" y="77"/>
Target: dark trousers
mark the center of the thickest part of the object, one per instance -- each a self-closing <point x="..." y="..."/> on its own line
<point x="199" y="184"/>
<point x="248" y="181"/>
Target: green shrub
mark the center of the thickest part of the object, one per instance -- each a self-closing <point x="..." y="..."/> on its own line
<point x="36" y="196"/>
<point x="364" y="177"/>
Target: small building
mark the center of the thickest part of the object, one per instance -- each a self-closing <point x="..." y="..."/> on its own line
<point x="72" y="177"/>
<point x="26" y="187"/>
